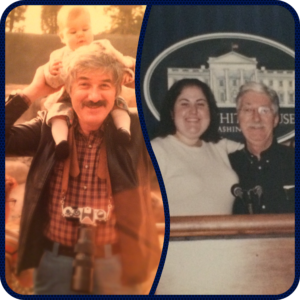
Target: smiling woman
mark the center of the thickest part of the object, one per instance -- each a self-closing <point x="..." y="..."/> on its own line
<point x="191" y="154"/>
<point x="191" y="115"/>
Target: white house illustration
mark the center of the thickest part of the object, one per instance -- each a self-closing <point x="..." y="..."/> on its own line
<point x="228" y="72"/>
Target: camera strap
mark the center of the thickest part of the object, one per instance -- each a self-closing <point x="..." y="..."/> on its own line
<point x="86" y="215"/>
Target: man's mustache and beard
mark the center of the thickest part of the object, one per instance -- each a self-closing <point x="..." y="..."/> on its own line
<point x="93" y="104"/>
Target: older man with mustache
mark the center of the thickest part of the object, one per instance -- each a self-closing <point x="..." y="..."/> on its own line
<point x="265" y="168"/>
<point x="87" y="222"/>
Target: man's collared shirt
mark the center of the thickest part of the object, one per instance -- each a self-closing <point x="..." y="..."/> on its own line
<point x="85" y="190"/>
<point x="274" y="173"/>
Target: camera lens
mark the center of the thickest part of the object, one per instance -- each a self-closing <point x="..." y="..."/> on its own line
<point x="83" y="265"/>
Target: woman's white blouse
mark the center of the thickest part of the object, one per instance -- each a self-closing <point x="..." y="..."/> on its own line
<point x="198" y="180"/>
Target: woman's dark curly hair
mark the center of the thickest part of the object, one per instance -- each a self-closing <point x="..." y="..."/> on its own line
<point x="166" y="125"/>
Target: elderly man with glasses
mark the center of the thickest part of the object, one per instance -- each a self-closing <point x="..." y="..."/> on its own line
<point x="265" y="168"/>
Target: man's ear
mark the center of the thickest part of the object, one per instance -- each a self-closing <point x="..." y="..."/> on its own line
<point x="276" y="120"/>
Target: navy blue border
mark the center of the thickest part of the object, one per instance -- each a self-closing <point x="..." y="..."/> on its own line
<point x="151" y="153"/>
<point x="146" y="137"/>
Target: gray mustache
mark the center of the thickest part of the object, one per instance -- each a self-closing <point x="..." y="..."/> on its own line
<point x="92" y="104"/>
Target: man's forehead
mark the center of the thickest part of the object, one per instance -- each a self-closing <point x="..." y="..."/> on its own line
<point x="100" y="74"/>
<point x="253" y="97"/>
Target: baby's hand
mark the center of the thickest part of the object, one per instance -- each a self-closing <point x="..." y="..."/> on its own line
<point x="54" y="67"/>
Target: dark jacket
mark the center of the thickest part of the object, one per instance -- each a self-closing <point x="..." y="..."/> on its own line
<point x="129" y="168"/>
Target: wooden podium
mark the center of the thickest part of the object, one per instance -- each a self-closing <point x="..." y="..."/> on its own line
<point x="230" y="255"/>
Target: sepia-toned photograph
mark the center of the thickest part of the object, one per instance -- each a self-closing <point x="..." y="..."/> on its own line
<point x="84" y="212"/>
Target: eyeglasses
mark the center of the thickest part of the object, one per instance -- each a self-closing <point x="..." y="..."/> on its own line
<point x="262" y="110"/>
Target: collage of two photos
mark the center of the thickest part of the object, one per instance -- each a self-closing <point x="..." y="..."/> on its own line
<point x="147" y="158"/>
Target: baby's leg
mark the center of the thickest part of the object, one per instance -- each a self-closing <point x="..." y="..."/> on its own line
<point x="60" y="115"/>
<point x="60" y="130"/>
<point x="121" y="120"/>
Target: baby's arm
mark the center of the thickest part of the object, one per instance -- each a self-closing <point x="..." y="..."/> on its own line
<point x="127" y="61"/>
<point x="38" y="88"/>
<point x="107" y="47"/>
<point x="52" y="69"/>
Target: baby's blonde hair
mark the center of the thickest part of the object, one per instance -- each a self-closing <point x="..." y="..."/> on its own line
<point x="69" y="12"/>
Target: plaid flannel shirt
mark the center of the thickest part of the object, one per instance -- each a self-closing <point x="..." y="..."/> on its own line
<point x="87" y="189"/>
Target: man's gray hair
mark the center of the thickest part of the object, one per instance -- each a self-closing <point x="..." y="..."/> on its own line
<point x="259" y="88"/>
<point x="89" y="58"/>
